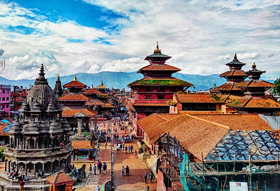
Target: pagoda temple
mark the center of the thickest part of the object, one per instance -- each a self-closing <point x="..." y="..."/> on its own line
<point x="38" y="139"/>
<point x="58" y="90"/>
<point x="234" y="76"/>
<point x="152" y="92"/>
<point x="254" y="99"/>
<point x="74" y="102"/>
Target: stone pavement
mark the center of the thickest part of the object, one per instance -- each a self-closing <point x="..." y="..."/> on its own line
<point x="135" y="181"/>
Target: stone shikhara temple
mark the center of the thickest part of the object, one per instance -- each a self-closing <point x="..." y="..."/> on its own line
<point x="39" y="137"/>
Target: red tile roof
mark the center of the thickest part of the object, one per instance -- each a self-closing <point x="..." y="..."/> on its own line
<point x="246" y="122"/>
<point x="69" y="112"/>
<point x="255" y="83"/>
<point x="159" y="67"/>
<point x="74" y="84"/>
<point x="253" y="102"/>
<point x="59" y="178"/>
<point x="234" y="73"/>
<point x="73" y="97"/>
<point x="107" y="105"/>
<point x="200" y="98"/>
<point x="151" y="102"/>
<point x="94" y="102"/>
<point x="229" y="86"/>
<point x="91" y="91"/>
<point x="81" y="145"/>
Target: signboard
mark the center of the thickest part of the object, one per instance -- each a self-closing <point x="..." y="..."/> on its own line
<point x="238" y="186"/>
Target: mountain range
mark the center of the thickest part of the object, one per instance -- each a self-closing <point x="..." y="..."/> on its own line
<point x="121" y="79"/>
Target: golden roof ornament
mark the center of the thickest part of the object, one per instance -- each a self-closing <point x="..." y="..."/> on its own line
<point x="91" y="86"/>
<point x="75" y="78"/>
<point x="235" y="57"/>
<point x="254" y="66"/>
<point x="58" y="78"/>
<point x="157" y="50"/>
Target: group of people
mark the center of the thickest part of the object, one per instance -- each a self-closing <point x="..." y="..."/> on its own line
<point x="126" y="170"/>
<point x="100" y="166"/>
<point x="127" y="149"/>
<point x="151" y="176"/>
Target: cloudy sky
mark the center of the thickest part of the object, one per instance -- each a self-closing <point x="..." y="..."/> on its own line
<point x="73" y="36"/>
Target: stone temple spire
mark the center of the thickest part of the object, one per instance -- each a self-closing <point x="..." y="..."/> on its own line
<point x="41" y="79"/>
<point x="58" y="89"/>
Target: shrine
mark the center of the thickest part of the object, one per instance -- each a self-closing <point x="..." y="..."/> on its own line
<point x="38" y="139"/>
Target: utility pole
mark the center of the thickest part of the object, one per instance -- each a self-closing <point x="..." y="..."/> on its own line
<point x="112" y="158"/>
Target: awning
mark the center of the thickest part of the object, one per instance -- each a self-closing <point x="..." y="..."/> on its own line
<point x="82" y="145"/>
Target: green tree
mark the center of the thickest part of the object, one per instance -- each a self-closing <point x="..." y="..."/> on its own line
<point x="277" y="88"/>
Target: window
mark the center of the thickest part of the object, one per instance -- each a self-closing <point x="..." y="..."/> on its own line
<point x="3" y="91"/>
<point x="7" y="98"/>
<point x="3" y="98"/>
<point x="7" y="106"/>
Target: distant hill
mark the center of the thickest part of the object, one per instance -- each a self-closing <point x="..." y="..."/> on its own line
<point x="121" y="79"/>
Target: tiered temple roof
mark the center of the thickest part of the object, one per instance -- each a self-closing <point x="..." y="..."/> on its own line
<point x="234" y="76"/>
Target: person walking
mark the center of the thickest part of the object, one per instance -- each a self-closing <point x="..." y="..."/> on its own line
<point x="104" y="167"/>
<point x="125" y="149"/>
<point x="122" y="170"/>
<point x="97" y="188"/>
<point x="135" y="154"/>
<point x="151" y="177"/>
<point x="145" y="177"/>
<point x="98" y="144"/>
<point x="99" y="165"/>
<point x="94" y="169"/>
<point x="90" y="169"/>
<point x="105" y="145"/>
<point x="128" y="149"/>
<point x="127" y="170"/>
<point x="131" y="148"/>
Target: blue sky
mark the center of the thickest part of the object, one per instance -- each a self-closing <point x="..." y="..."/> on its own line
<point x="71" y="36"/>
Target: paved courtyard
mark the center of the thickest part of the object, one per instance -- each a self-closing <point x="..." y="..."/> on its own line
<point x="135" y="181"/>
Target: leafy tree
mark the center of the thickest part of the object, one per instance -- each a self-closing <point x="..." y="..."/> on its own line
<point x="277" y="88"/>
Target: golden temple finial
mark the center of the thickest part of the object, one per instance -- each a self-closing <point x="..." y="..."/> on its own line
<point x="157" y="50"/>
<point x="254" y="66"/>
<point x="42" y="68"/>
<point x="91" y="86"/>
<point x="58" y="78"/>
<point x="235" y="57"/>
<point x="75" y="78"/>
<point x="102" y="82"/>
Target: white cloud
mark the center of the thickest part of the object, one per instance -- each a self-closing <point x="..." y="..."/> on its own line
<point x="201" y="36"/>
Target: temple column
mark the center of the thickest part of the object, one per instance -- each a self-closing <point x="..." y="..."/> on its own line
<point x="51" y="166"/>
<point x="34" y="167"/>
<point x="43" y="146"/>
<point x="5" y="165"/>
<point x="43" y="167"/>
<point x="25" y="169"/>
<point x="9" y="166"/>
<point x="36" y="143"/>
<point x="25" y="143"/>
<point x="28" y="143"/>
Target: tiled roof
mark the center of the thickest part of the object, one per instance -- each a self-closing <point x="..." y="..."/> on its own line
<point x="69" y="112"/>
<point x="94" y="102"/>
<point x="229" y="86"/>
<point x="159" y="67"/>
<point x="168" y="81"/>
<point x="234" y="73"/>
<point x="73" y="84"/>
<point x="246" y="122"/>
<point x="194" y="134"/>
<point x="256" y="83"/>
<point x="200" y="112"/>
<point x="103" y="95"/>
<point x="73" y="97"/>
<point x="91" y="92"/>
<point x="149" y="125"/>
<point x="254" y="102"/>
<point x="59" y="178"/>
<point x="2" y="128"/>
<point x="81" y="145"/>
<point x="200" y="98"/>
